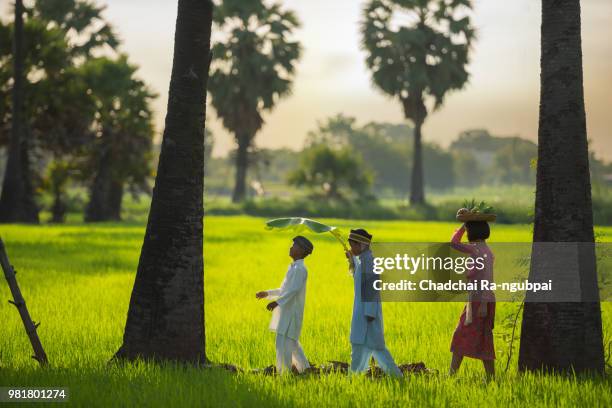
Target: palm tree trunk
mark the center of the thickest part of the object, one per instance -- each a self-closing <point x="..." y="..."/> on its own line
<point x="242" y="163"/>
<point x="166" y="315"/>
<point x="115" y="199"/>
<point x="17" y="202"/>
<point x="417" y="193"/>
<point x="58" y="209"/>
<point x="563" y="337"/>
<point x="99" y="207"/>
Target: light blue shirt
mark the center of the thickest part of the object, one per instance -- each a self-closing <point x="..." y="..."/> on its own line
<point x="369" y="333"/>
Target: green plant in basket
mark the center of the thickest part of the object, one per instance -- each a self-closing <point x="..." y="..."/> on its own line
<point x="476" y="211"/>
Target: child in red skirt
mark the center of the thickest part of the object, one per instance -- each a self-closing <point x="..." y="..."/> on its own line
<point x="473" y="336"/>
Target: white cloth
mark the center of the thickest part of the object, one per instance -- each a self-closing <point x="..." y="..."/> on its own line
<point x="288" y="352"/>
<point x="288" y="316"/>
<point x="360" y="359"/>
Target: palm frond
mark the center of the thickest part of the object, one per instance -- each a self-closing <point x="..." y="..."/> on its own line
<point x="299" y="224"/>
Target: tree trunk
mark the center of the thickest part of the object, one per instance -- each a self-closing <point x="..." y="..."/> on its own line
<point x="99" y="207"/>
<point x="115" y="199"/>
<point x="166" y="315"/>
<point x="17" y="202"/>
<point x="19" y="302"/>
<point x="417" y="193"/>
<point x="242" y="163"/>
<point x="563" y="337"/>
<point x="58" y="210"/>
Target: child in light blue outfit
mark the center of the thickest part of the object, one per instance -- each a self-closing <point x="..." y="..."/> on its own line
<point x="367" y="332"/>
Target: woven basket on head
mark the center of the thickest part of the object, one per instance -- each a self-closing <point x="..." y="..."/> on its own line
<point x="476" y="217"/>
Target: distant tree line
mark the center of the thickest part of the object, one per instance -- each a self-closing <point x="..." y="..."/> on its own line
<point x="376" y="158"/>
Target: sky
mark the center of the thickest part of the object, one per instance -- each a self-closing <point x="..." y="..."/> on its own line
<point x="502" y="96"/>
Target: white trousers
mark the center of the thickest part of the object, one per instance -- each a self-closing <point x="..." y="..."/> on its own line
<point x="360" y="359"/>
<point x="289" y="351"/>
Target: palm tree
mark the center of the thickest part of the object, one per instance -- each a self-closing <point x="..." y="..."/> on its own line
<point x="51" y="112"/>
<point x="121" y="153"/>
<point x="565" y="337"/>
<point x="417" y="50"/>
<point x="166" y="316"/>
<point x="253" y="68"/>
<point x="17" y="202"/>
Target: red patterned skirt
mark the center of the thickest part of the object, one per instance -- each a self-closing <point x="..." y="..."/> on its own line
<point x="476" y="339"/>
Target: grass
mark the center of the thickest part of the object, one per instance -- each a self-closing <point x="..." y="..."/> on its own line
<point x="77" y="281"/>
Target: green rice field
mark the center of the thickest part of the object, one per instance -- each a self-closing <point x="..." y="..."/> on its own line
<point x="77" y="281"/>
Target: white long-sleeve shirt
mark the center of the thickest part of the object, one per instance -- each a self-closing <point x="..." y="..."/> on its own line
<point x="288" y="316"/>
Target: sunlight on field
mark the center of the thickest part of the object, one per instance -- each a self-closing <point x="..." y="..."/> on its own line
<point x="77" y="281"/>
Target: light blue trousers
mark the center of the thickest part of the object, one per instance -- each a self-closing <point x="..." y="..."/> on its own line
<point x="360" y="358"/>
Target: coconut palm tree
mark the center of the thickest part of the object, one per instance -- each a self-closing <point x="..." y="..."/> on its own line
<point x="17" y="202"/>
<point x="166" y="315"/>
<point x="253" y="67"/>
<point x="417" y="50"/>
<point x="565" y="337"/>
